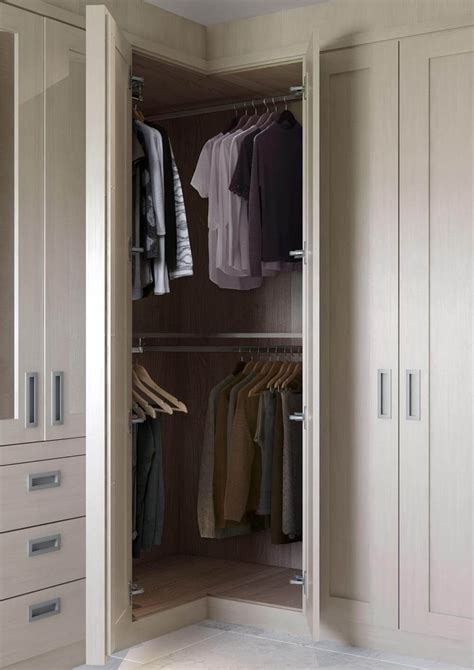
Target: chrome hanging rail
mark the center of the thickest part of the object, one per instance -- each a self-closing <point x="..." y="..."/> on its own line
<point x="240" y="104"/>
<point x="218" y="336"/>
<point x="218" y="349"/>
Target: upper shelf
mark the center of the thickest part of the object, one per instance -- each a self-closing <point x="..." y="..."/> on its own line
<point x="169" y="88"/>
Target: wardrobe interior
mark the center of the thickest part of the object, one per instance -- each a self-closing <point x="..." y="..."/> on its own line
<point x="185" y="566"/>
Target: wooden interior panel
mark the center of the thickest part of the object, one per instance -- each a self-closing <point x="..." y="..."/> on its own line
<point x="197" y="306"/>
<point x="170" y="88"/>
<point x="176" y="580"/>
<point x="451" y="334"/>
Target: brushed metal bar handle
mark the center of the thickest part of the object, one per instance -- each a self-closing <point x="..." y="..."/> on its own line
<point x="384" y="394"/>
<point x="57" y="398"/>
<point x="44" y="609"/>
<point x="44" y="480"/>
<point x="31" y="399"/>
<point x="44" y="545"/>
<point x="413" y="394"/>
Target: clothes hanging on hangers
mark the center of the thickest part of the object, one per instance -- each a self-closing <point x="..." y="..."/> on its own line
<point x="163" y="236"/>
<point x="148" y="486"/>
<point x="251" y="462"/>
<point x="204" y="181"/>
<point x="244" y="245"/>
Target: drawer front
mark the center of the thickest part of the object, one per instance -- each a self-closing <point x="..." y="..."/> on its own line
<point x="41" y="492"/>
<point x="39" y="622"/>
<point x="13" y="454"/>
<point x="40" y="557"/>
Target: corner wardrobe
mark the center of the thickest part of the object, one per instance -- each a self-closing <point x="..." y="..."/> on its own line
<point x="396" y="552"/>
<point x="187" y="340"/>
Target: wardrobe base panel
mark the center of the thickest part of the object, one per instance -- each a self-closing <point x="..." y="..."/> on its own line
<point x="175" y="580"/>
<point x="281" y="619"/>
<point x="398" y="641"/>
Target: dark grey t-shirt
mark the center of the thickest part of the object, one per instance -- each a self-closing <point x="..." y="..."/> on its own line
<point x="276" y="194"/>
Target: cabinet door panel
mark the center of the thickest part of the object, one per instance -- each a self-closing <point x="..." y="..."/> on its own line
<point x="64" y="384"/>
<point x="21" y="227"/>
<point x="436" y="317"/>
<point x="109" y="341"/>
<point x="311" y="326"/>
<point x="359" y="349"/>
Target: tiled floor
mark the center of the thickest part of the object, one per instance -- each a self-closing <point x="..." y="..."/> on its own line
<point x="215" y="646"/>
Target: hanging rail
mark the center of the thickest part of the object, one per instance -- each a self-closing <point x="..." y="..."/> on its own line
<point x="240" y="104"/>
<point x="221" y="349"/>
<point x="217" y="336"/>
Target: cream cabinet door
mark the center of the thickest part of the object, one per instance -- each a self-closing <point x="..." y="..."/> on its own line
<point x="21" y="226"/>
<point x="311" y="327"/>
<point x="436" y="333"/>
<point x="108" y="335"/>
<point x="65" y="231"/>
<point x="359" y="335"/>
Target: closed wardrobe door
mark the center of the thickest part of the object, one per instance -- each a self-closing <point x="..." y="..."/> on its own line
<point x="436" y="333"/>
<point x="359" y="322"/>
<point x="65" y="231"/>
<point x="21" y="226"/>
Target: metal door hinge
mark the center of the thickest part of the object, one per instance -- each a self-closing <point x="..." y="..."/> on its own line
<point x="299" y="580"/>
<point x="299" y="254"/>
<point x="299" y="416"/>
<point x="299" y="89"/>
<point x="136" y="84"/>
<point x="130" y="249"/>
<point x="134" y="590"/>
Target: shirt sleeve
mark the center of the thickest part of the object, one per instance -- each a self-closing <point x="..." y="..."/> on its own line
<point x="202" y="173"/>
<point x="240" y="182"/>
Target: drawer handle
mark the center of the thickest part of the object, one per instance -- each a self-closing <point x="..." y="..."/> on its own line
<point x="44" y="545"/>
<point x="31" y="391"/>
<point x="44" y="480"/>
<point x="43" y="610"/>
<point x="57" y="398"/>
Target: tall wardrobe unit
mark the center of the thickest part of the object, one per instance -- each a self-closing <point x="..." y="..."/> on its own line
<point x="382" y="308"/>
<point x="386" y="318"/>
<point x="42" y="335"/>
<point x="397" y="262"/>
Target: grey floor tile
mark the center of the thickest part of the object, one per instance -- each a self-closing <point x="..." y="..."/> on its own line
<point x="235" y="651"/>
<point x="113" y="664"/>
<point x="167" y="644"/>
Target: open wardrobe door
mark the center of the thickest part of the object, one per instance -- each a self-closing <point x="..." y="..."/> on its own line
<point x="108" y="297"/>
<point x="311" y="399"/>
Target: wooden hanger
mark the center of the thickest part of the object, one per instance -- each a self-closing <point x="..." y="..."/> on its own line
<point x="138" y="114"/>
<point x="145" y="377"/>
<point x="147" y="408"/>
<point x="162" y="405"/>
<point x="283" y="369"/>
<point x="297" y="371"/>
<point x="289" y="371"/>
<point x="265" y="378"/>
